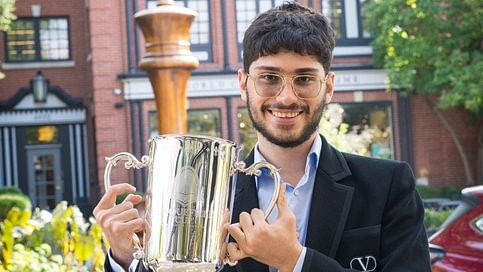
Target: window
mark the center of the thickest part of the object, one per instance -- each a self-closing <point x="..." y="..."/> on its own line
<point x="370" y="128"/>
<point x="247" y="10"/>
<point x="200" y="122"/>
<point x="42" y="135"/>
<point x="348" y="20"/>
<point x="38" y="39"/>
<point x="248" y="135"/>
<point x="200" y="29"/>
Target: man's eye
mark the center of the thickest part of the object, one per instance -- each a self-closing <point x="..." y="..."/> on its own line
<point x="269" y="77"/>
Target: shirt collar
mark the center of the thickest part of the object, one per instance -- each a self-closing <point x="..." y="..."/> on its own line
<point x="312" y="160"/>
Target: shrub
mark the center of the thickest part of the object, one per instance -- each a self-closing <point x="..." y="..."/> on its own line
<point x="450" y="192"/>
<point x="10" y="190"/>
<point x="44" y="242"/>
<point x="10" y="200"/>
<point x="434" y="219"/>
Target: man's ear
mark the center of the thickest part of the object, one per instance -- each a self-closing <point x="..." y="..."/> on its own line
<point x="242" y="82"/>
<point x="329" y="87"/>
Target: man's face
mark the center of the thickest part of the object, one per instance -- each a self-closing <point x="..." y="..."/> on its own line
<point x="286" y="119"/>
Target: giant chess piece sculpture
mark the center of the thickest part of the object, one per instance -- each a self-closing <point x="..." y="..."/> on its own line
<point x="168" y="61"/>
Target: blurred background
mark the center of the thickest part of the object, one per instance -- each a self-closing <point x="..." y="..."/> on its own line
<point x="409" y="87"/>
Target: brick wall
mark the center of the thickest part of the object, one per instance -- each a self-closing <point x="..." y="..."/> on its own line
<point x="434" y="149"/>
<point x="108" y="42"/>
<point x="74" y="80"/>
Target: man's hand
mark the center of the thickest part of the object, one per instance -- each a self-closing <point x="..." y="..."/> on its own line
<point x="120" y="222"/>
<point x="275" y="245"/>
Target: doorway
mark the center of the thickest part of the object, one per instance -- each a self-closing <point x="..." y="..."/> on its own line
<point x="45" y="177"/>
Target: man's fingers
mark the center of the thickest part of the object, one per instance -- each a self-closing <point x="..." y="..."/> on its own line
<point x="122" y="213"/>
<point x="237" y="233"/>
<point x="126" y="216"/>
<point x="131" y="227"/>
<point x="246" y="222"/>
<point x="109" y="198"/>
<point x="134" y="199"/>
<point x="234" y="252"/>
<point x="258" y="217"/>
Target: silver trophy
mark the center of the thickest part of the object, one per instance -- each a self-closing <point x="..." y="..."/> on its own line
<point x="191" y="185"/>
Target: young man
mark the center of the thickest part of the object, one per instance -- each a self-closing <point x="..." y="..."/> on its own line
<point x="337" y="212"/>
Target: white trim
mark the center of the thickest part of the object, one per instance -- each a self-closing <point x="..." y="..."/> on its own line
<point x="227" y="85"/>
<point x="351" y="19"/>
<point x="47" y="116"/>
<point x="198" y="86"/>
<point x="14" y="155"/>
<point x="8" y="171"/>
<point x="352" y="50"/>
<point x="79" y="160"/>
<point x="72" y="163"/>
<point x="28" y="102"/>
<point x="360" y="80"/>
<point x="36" y="65"/>
<point x="36" y="10"/>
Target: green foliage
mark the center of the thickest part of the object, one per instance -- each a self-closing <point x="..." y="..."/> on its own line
<point x="434" y="219"/>
<point x="7" y="9"/>
<point x="431" y="47"/>
<point x="10" y="190"/>
<point x="450" y="192"/>
<point x="57" y="241"/>
<point x="10" y="200"/>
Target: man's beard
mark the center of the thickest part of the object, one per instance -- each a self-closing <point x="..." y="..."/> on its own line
<point x="287" y="142"/>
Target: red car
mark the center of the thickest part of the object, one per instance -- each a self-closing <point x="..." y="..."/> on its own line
<point x="458" y="245"/>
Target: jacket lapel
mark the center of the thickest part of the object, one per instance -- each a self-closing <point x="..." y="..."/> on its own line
<point x="331" y="202"/>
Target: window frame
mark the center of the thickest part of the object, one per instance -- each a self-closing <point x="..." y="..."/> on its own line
<point x="391" y="118"/>
<point x="257" y="11"/>
<point x="344" y="40"/>
<point x="200" y="47"/>
<point x="38" y="49"/>
<point x="150" y="114"/>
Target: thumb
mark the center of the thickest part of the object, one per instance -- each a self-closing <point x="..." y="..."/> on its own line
<point x="282" y="203"/>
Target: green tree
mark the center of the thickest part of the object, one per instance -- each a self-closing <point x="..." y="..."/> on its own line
<point x="433" y="48"/>
<point x="7" y="9"/>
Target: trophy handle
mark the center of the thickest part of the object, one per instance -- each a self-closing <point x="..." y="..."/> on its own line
<point x="255" y="169"/>
<point x="131" y="162"/>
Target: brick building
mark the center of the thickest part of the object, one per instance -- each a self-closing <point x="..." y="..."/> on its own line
<point x="99" y="103"/>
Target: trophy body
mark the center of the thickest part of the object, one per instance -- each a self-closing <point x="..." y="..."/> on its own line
<point x="191" y="181"/>
<point x="187" y="194"/>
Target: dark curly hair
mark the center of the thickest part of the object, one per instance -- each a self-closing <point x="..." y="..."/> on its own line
<point x="290" y="27"/>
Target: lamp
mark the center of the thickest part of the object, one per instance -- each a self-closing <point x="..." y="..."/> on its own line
<point x="40" y="86"/>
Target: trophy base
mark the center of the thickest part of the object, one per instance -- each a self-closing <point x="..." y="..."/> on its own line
<point x="183" y="267"/>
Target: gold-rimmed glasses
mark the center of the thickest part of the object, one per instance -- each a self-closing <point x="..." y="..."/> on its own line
<point x="271" y="84"/>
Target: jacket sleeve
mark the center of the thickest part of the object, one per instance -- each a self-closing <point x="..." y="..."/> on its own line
<point x="108" y="267"/>
<point x="404" y="245"/>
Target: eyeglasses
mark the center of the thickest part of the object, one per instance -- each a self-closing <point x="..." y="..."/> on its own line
<point x="271" y="84"/>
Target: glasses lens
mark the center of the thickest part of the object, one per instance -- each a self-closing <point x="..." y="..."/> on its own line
<point x="268" y="85"/>
<point x="307" y="86"/>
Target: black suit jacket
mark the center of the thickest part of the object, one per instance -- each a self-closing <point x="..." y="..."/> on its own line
<point x="365" y="214"/>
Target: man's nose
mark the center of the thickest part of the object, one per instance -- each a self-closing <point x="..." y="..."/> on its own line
<point x="287" y="94"/>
